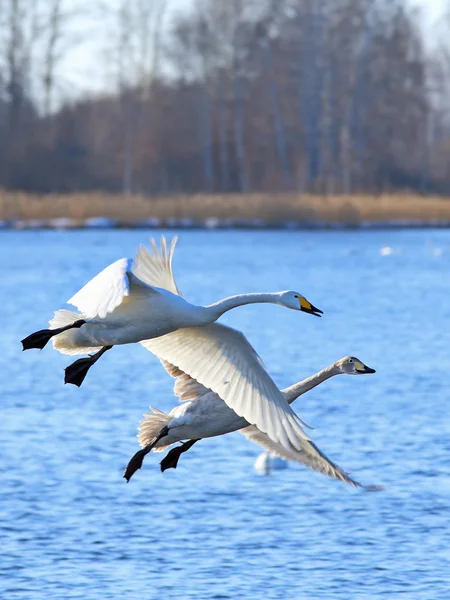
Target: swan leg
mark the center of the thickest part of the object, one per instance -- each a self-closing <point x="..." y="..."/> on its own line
<point x="77" y="371"/>
<point x="170" y="461"/>
<point x="39" y="339"/>
<point x="136" y="461"/>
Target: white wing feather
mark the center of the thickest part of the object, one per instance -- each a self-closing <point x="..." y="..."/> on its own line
<point x="156" y="268"/>
<point x="221" y="359"/>
<point x="309" y="455"/>
<point x="185" y="387"/>
<point x="105" y="291"/>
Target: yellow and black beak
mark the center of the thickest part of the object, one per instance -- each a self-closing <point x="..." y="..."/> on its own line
<point x="362" y="368"/>
<point x="307" y="307"/>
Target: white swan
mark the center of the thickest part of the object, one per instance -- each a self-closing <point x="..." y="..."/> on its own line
<point x="134" y="300"/>
<point x="204" y="413"/>
<point x="268" y="462"/>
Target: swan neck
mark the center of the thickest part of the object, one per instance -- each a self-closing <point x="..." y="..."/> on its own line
<point x="219" y="308"/>
<point x="294" y="391"/>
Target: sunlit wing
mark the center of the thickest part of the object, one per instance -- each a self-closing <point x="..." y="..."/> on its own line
<point x="221" y="359"/>
<point x="309" y="455"/>
<point x="102" y="294"/>
<point x="155" y="268"/>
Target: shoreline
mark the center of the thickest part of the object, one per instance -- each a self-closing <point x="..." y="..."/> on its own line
<point x="19" y="211"/>
<point x="64" y="224"/>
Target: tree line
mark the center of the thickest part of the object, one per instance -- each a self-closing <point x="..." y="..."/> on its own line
<point x="330" y="97"/>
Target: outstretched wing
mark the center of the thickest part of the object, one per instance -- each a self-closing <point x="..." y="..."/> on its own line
<point x="309" y="455"/>
<point x="221" y="359"/>
<point x="106" y="291"/>
<point x="102" y="294"/>
<point x="155" y="268"/>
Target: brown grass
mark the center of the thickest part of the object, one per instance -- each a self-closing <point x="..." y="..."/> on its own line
<point x="271" y="208"/>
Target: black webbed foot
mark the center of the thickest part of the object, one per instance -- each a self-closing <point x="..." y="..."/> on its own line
<point x="136" y="461"/>
<point x="39" y="339"/>
<point x="77" y="371"/>
<point x="170" y="461"/>
<point x="135" y="464"/>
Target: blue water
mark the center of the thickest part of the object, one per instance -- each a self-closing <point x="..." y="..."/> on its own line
<point x="70" y="527"/>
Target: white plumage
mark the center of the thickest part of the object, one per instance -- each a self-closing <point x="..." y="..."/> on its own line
<point x="135" y="300"/>
<point x="207" y="414"/>
<point x="222" y="360"/>
<point x="105" y="291"/>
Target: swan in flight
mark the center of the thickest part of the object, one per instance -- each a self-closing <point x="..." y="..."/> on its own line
<point x="184" y="385"/>
<point x="135" y="300"/>
<point x="204" y="413"/>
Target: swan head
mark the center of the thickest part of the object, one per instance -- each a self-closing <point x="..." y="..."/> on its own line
<point x="350" y="365"/>
<point x="296" y="301"/>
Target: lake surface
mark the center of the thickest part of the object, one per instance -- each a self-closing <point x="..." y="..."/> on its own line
<point x="70" y="527"/>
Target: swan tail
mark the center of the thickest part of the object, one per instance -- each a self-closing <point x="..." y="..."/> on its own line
<point x="63" y="317"/>
<point x="68" y="341"/>
<point x="151" y="426"/>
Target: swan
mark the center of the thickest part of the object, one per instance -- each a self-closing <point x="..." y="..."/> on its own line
<point x="203" y="413"/>
<point x="134" y="300"/>
<point x="268" y="462"/>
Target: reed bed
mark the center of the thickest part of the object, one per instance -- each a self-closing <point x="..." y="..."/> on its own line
<point x="265" y="209"/>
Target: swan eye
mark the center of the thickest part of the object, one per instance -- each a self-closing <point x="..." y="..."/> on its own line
<point x="350" y="360"/>
<point x="295" y="296"/>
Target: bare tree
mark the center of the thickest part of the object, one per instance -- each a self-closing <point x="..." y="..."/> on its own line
<point x="16" y="63"/>
<point x="331" y="96"/>
<point x="51" y="52"/>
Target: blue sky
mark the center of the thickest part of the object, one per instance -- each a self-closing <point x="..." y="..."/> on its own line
<point x="83" y="67"/>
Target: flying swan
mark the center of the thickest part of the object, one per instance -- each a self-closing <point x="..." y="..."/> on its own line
<point x="135" y="300"/>
<point x="192" y="394"/>
<point x="204" y="414"/>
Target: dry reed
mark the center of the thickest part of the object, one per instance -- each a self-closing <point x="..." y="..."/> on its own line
<point x="269" y="208"/>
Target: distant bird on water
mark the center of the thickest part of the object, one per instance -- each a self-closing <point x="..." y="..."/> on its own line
<point x="268" y="462"/>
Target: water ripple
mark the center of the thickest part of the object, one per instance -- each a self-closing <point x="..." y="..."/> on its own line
<point x="70" y="526"/>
